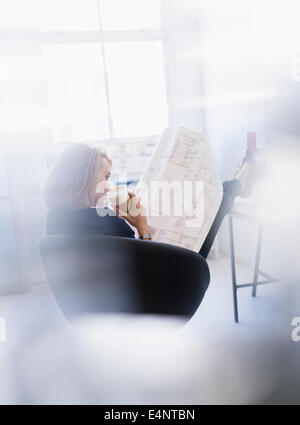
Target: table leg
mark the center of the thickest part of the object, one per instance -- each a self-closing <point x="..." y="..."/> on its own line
<point x="233" y="271"/>
<point x="257" y="261"/>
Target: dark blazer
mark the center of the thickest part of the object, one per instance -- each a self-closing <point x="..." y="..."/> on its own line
<point x="89" y="221"/>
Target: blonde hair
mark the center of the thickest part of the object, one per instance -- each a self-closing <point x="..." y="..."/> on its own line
<point x="73" y="177"/>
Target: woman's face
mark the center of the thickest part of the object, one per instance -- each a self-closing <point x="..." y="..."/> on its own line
<point x="103" y="185"/>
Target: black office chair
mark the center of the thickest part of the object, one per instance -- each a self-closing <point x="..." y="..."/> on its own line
<point x="92" y="274"/>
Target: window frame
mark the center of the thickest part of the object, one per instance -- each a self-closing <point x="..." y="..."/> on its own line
<point x="103" y="36"/>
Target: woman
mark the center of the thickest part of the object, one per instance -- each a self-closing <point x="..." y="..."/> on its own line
<point x="78" y="183"/>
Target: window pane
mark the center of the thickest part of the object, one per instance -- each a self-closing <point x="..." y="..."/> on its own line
<point x="17" y="14"/>
<point x="61" y="15"/>
<point x="23" y="102"/>
<point x="68" y="15"/>
<point x="77" y="15"/>
<point x="130" y="14"/>
<point x="136" y="88"/>
<point x="76" y="91"/>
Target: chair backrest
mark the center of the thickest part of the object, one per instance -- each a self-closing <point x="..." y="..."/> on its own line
<point x="92" y="274"/>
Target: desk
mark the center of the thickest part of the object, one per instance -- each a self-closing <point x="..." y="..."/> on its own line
<point x="249" y="211"/>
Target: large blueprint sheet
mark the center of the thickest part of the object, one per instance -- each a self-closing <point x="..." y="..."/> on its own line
<point x="182" y="156"/>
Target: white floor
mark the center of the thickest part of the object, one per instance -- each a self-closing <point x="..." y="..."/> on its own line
<point x="263" y="336"/>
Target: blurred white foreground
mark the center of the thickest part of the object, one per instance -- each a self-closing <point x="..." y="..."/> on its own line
<point x="138" y="360"/>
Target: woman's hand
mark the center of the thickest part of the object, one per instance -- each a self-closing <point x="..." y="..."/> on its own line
<point x="137" y="215"/>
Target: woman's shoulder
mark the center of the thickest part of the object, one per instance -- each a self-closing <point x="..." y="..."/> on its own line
<point x="113" y="224"/>
<point x="87" y="221"/>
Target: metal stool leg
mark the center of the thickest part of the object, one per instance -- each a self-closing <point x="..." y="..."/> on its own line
<point x="257" y="261"/>
<point x="233" y="271"/>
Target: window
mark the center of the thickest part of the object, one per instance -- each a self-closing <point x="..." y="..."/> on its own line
<point x="137" y="93"/>
<point x="76" y="89"/>
<point x="130" y="15"/>
<point x="101" y="73"/>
